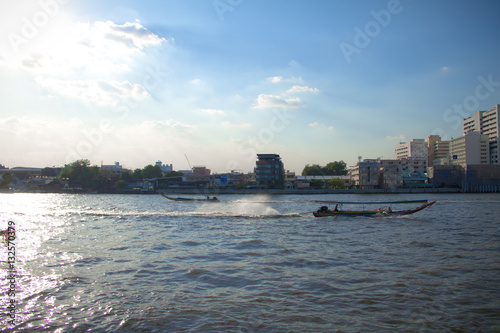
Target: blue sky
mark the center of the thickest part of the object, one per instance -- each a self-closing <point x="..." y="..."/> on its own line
<point x="223" y="80"/>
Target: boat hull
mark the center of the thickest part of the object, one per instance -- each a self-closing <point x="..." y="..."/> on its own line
<point x="380" y="212"/>
<point x="214" y="199"/>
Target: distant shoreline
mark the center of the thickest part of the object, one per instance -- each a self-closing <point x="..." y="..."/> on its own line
<point x="213" y="192"/>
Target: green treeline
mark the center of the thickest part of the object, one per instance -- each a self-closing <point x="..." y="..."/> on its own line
<point x="91" y="176"/>
<point x="331" y="169"/>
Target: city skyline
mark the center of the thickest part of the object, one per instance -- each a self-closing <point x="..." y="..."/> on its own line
<point x="222" y="81"/>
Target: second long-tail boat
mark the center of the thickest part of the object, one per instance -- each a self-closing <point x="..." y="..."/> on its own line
<point x="323" y="211"/>
<point x="207" y="199"/>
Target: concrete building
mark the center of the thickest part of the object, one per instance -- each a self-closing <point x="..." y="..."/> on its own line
<point x="22" y="172"/>
<point x="437" y="149"/>
<point x="414" y="148"/>
<point x="165" y="167"/>
<point x="487" y="123"/>
<point x="481" y="178"/>
<point x="269" y="170"/>
<point x="290" y="179"/>
<point x="494" y="152"/>
<point x="199" y="174"/>
<point x="116" y="168"/>
<point x="201" y="171"/>
<point x="450" y="176"/>
<point x="230" y="179"/>
<point x="365" y="174"/>
<point x="391" y="173"/>
<point x="414" y="163"/>
<point x="470" y="149"/>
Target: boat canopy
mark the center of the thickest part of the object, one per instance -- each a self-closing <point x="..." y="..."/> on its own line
<point x="372" y="202"/>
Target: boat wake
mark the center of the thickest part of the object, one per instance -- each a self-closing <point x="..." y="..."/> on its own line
<point x="235" y="211"/>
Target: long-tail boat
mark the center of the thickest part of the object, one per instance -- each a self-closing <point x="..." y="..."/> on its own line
<point x="323" y="211"/>
<point x="207" y="199"/>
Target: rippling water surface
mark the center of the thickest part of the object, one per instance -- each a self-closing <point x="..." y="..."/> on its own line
<point x="249" y="264"/>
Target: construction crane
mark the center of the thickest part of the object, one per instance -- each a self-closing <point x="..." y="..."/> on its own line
<point x="187" y="159"/>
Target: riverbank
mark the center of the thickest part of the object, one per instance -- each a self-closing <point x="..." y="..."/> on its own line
<point x="218" y="191"/>
<point x="308" y="192"/>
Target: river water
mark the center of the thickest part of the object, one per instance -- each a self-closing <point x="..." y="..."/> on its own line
<point x="133" y="263"/>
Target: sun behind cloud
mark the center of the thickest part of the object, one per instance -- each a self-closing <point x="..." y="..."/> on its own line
<point x="87" y="61"/>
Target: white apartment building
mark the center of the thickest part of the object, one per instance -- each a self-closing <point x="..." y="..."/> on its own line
<point x="484" y="122"/>
<point x="472" y="148"/>
<point x="487" y="123"/>
<point x="116" y="168"/>
<point x="414" y="148"/>
<point x="165" y="167"/>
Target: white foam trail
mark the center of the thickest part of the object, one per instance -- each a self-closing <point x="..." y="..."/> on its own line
<point x="251" y="206"/>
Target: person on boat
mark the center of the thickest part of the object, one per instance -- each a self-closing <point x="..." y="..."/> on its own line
<point x="323" y="209"/>
<point x="336" y="208"/>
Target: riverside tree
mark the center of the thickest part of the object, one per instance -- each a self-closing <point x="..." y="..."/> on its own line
<point x="337" y="168"/>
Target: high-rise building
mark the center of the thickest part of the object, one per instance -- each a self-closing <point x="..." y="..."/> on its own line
<point x="269" y="170"/>
<point x="470" y="149"/>
<point x="487" y="123"/>
<point x="414" y="148"/>
<point x="437" y="149"/>
<point x="484" y="122"/>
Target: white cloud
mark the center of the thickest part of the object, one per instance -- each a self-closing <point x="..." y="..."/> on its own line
<point x="86" y="61"/>
<point x="275" y="79"/>
<point x="228" y="124"/>
<point x="269" y="101"/>
<point x="298" y="89"/>
<point x="132" y="35"/>
<point x="196" y="82"/>
<point x="100" y="47"/>
<point x="95" y="91"/>
<point x="319" y="126"/>
<point x="399" y="138"/>
<point x="170" y="126"/>
<point x="278" y="79"/>
<point x="36" y="141"/>
<point x="213" y="112"/>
